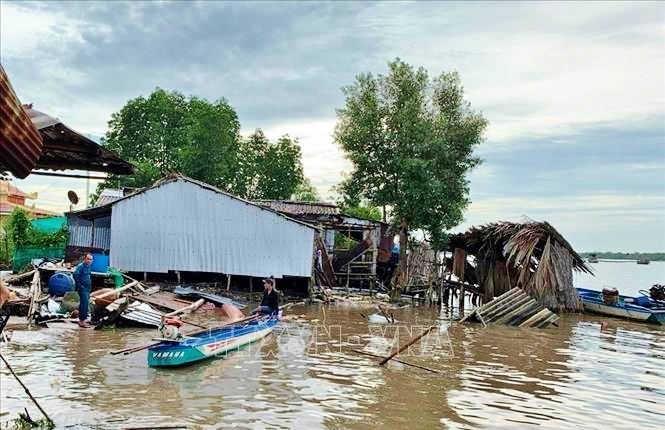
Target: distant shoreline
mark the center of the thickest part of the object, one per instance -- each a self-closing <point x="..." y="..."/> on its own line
<point x="651" y="256"/>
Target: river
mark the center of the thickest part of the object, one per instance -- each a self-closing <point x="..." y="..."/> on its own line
<point x="306" y="375"/>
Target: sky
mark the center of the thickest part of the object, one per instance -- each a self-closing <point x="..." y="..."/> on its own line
<point x="574" y="92"/>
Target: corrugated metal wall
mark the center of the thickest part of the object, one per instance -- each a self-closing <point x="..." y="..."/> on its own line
<point x="86" y="233"/>
<point x="182" y="226"/>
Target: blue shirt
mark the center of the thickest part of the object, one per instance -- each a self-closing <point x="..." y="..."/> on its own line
<point x="82" y="276"/>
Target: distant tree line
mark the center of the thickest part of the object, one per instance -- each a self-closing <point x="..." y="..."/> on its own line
<point x="653" y="256"/>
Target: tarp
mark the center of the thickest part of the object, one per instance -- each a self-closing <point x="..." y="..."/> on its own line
<point x="23" y="256"/>
<point x="49" y="225"/>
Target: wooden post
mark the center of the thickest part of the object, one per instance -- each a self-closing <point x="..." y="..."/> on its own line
<point x="228" y="282"/>
<point x="145" y="276"/>
<point x="408" y="344"/>
<point x="250" y="291"/>
<point x="178" y="275"/>
<point x="194" y="306"/>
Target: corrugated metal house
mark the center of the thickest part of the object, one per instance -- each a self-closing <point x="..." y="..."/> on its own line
<point x="180" y="224"/>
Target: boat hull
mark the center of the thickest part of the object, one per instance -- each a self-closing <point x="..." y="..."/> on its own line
<point x="593" y="302"/>
<point x="217" y="343"/>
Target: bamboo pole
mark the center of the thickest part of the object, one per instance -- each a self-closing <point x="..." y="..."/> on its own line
<point x="408" y="344"/>
<point x="187" y="309"/>
<point x="26" y="389"/>
<point x="395" y="359"/>
<point x="117" y="290"/>
<point x="544" y="313"/>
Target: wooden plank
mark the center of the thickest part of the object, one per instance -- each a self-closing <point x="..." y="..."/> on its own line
<point x="35" y="291"/>
<point x="536" y="317"/>
<point x="13" y="278"/>
<point x="507" y="304"/>
<point x="486" y="308"/>
<point x="515" y="311"/>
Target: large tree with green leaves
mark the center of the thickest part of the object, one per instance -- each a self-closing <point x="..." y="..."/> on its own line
<point x="168" y="132"/>
<point x="411" y="140"/>
<point x="269" y="170"/>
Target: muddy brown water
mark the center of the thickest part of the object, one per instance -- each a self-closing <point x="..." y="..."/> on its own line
<point x="306" y="376"/>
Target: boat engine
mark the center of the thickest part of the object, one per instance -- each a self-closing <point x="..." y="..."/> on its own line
<point x="169" y="328"/>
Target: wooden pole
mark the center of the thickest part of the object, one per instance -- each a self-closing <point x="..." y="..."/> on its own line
<point x="408" y="344"/>
<point x="228" y="282"/>
<point x="26" y="390"/>
<point x="186" y="309"/>
<point x="112" y="292"/>
<point x="35" y="290"/>
<point x="395" y="359"/>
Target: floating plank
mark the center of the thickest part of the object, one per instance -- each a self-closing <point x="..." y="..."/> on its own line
<point x="213" y="298"/>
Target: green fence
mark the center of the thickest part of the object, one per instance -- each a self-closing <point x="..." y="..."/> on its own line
<point x="23" y="256"/>
<point x="49" y="225"/>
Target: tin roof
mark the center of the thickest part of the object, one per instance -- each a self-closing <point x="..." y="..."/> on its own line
<point x="19" y="138"/>
<point x="36" y="140"/>
<point x="300" y="208"/>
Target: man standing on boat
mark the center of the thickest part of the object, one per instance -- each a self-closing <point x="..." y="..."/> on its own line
<point x="270" y="300"/>
<point x="82" y="276"/>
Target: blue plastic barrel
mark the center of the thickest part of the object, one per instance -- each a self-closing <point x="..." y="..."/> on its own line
<point x="60" y="283"/>
<point x="100" y="263"/>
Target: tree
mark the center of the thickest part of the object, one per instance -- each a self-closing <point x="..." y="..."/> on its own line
<point x="269" y="170"/>
<point x="169" y="132"/>
<point x="410" y="140"/>
<point x="306" y="192"/>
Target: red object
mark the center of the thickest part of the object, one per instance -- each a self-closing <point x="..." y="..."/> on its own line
<point x="173" y="321"/>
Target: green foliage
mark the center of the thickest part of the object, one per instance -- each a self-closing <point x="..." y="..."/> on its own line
<point x="411" y="140"/>
<point x="609" y="255"/>
<point x="342" y="241"/>
<point x="19" y="227"/>
<point x="22" y="234"/>
<point x="306" y="192"/>
<point x="363" y="211"/>
<point x="168" y="132"/>
<point x="268" y="170"/>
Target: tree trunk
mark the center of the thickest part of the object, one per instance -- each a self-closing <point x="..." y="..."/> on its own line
<point x="401" y="271"/>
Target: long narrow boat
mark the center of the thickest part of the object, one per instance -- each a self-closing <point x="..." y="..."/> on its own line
<point x="640" y="308"/>
<point x="214" y="343"/>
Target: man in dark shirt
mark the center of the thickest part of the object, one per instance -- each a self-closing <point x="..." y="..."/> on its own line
<point x="270" y="300"/>
<point x="83" y="286"/>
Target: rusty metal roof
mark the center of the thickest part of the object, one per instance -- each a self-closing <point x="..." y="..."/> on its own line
<point x="301" y="208"/>
<point x="31" y="139"/>
<point x="20" y="141"/>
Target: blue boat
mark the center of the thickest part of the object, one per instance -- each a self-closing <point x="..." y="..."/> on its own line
<point x="641" y="308"/>
<point x="209" y="343"/>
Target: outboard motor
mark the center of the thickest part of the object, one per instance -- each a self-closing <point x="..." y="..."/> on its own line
<point x="169" y="328"/>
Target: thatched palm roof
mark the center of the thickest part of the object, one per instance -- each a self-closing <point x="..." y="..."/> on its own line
<point x="532" y="255"/>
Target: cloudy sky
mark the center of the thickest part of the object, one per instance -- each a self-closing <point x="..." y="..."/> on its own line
<point x="574" y="92"/>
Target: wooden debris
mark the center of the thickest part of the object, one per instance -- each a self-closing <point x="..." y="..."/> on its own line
<point x="187" y="309"/>
<point x="35" y="291"/>
<point x="514" y="308"/>
<point x="357" y="351"/>
<point x="408" y="344"/>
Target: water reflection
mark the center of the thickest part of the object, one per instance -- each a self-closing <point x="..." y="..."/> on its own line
<point x="306" y="376"/>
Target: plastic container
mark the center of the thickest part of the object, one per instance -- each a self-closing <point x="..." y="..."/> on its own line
<point x="100" y="263"/>
<point x="60" y="283"/>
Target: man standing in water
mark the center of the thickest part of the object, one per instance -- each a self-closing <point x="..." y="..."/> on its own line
<point x="83" y="286"/>
<point x="270" y="300"/>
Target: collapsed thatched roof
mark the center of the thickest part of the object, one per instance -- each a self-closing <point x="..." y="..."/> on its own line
<point x="532" y="255"/>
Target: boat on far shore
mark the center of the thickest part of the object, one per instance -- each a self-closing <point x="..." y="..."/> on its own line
<point x="643" y="261"/>
<point x="609" y="302"/>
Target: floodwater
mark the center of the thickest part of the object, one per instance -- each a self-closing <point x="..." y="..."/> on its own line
<point x="306" y="375"/>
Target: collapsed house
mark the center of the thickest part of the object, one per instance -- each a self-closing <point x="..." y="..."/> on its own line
<point x="183" y="225"/>
<point x="359" y="259"/>
<point x="531" y="255"/>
